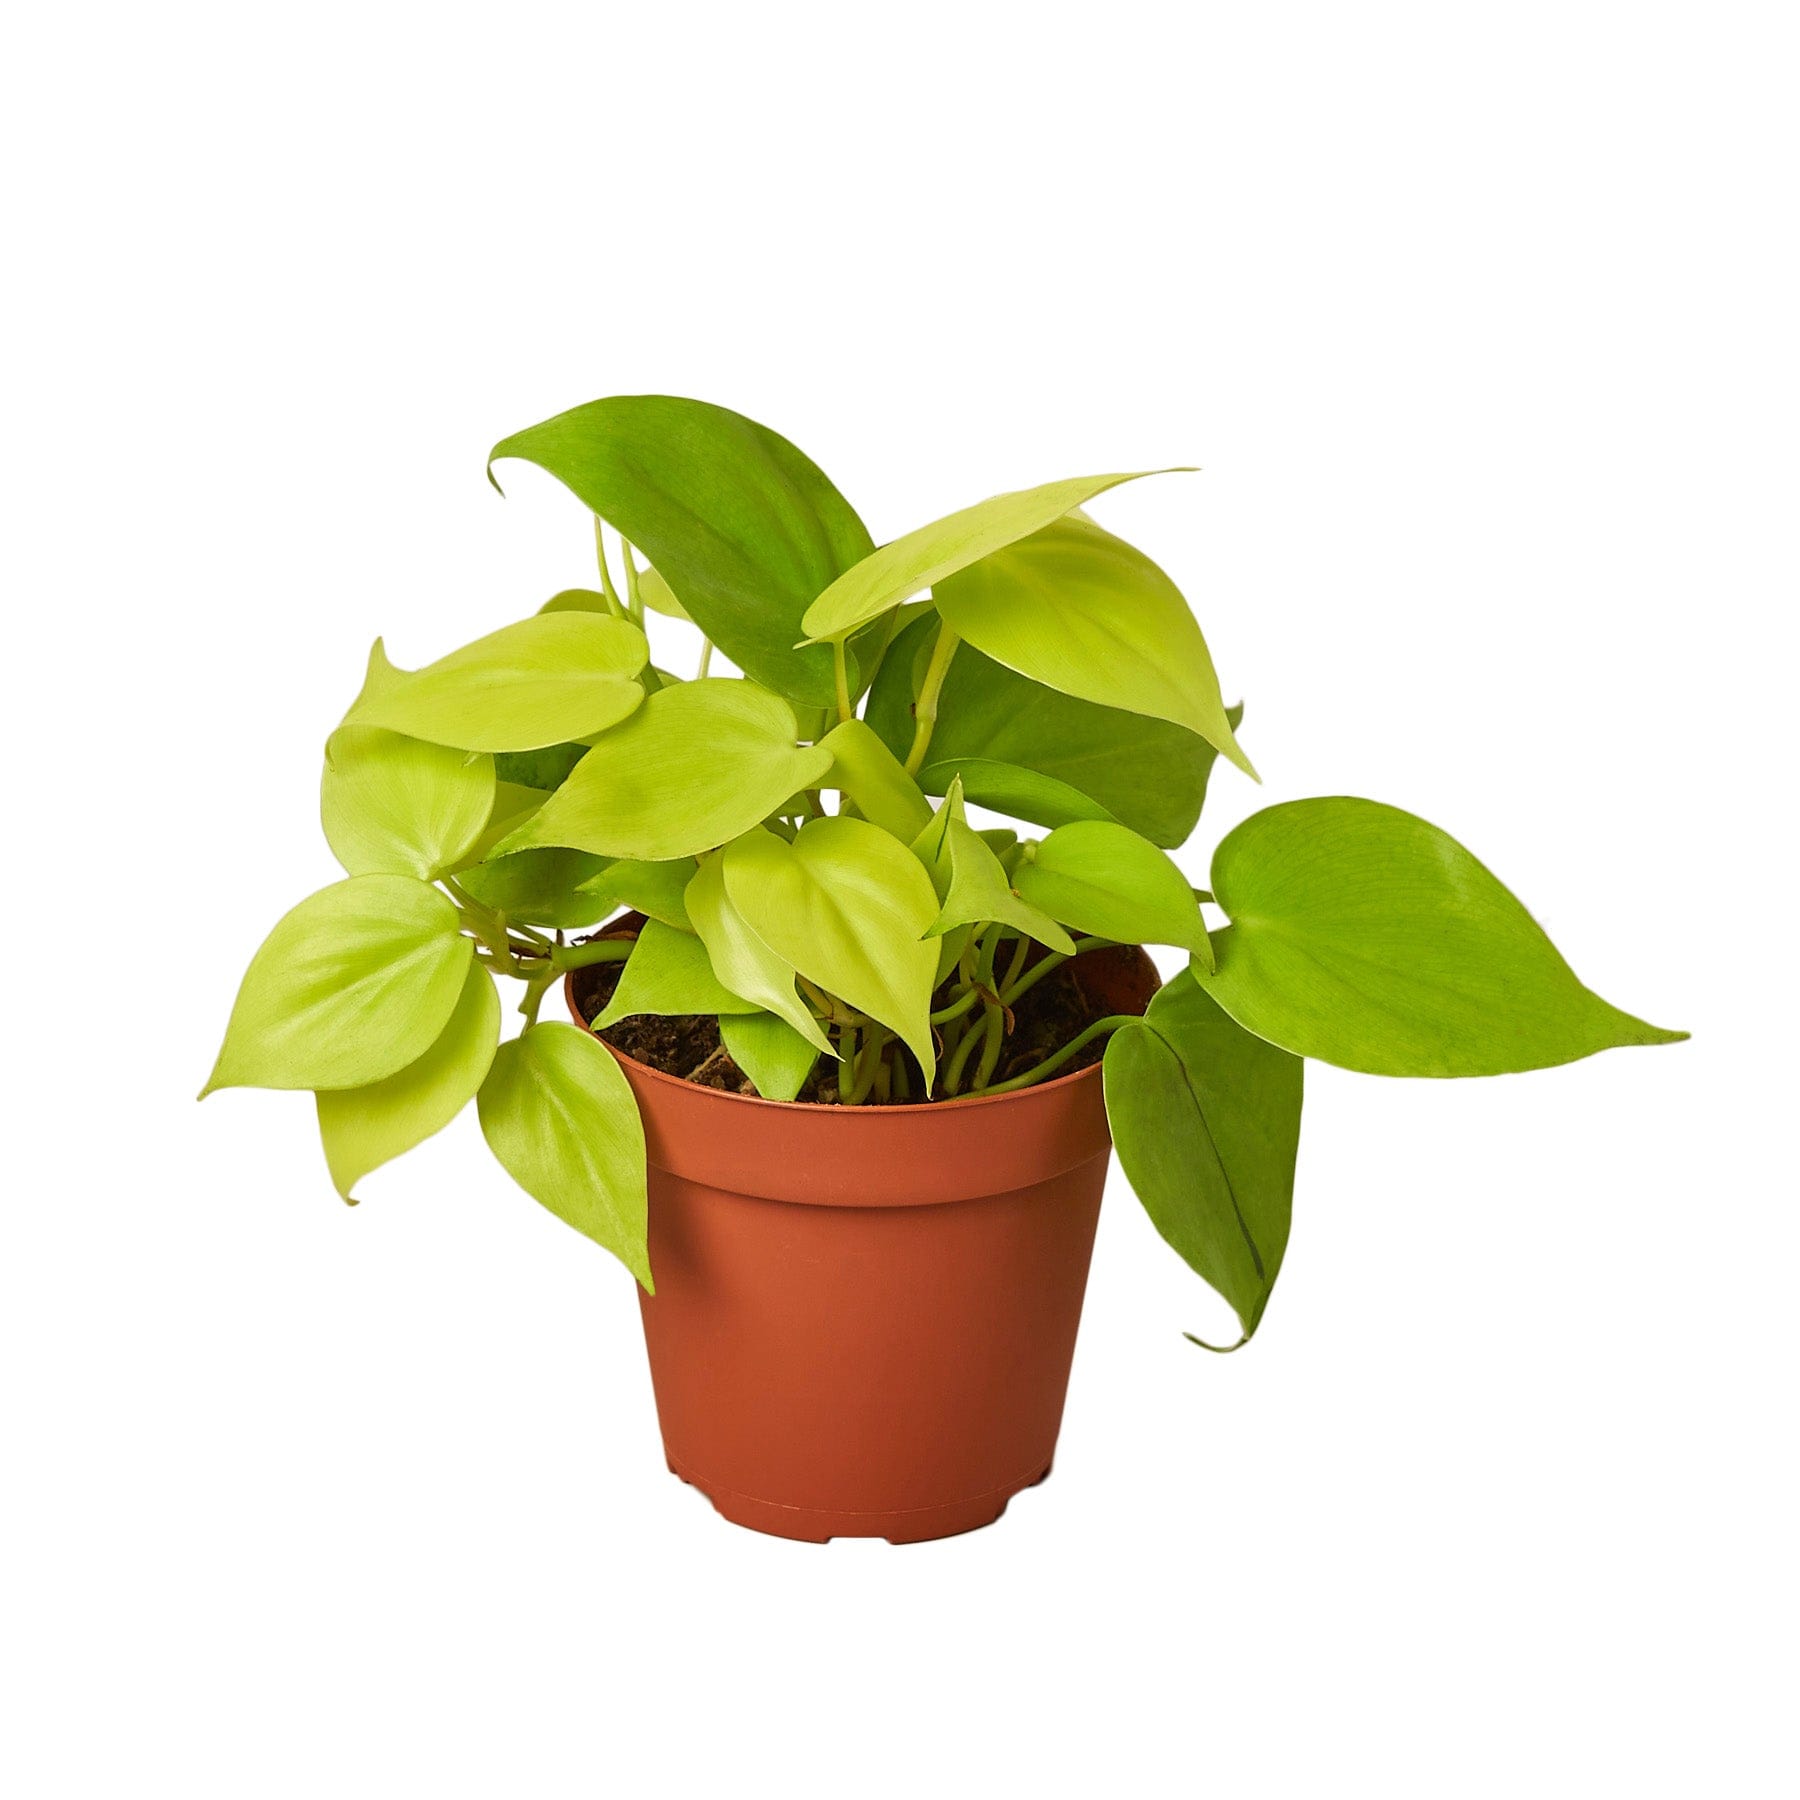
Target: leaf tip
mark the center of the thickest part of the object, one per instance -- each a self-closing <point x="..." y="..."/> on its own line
<point x="1217" y="1349"/>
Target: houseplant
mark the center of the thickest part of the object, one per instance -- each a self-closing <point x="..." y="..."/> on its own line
<point x="846" y="1128"/>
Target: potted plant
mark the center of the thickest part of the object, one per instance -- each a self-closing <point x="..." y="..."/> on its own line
<point x="844" y="1064"/>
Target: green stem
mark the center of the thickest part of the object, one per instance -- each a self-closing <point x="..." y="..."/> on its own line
<point x="867" y="1062"/>
<point x="956" y="1008"/>
<point x="581" y="956"/>
<point x="634" y="601"/>
<point x="706" y="650"/>
<point x="1051" y="1064"/>
<point x="925" y="711"/>
<point x="847" y="1064"/>
<point x="606" y="580"/>
<point x="1047" y="965"/>
<point x="992" y="1038"/>
<point x="959" y="1059"/>
<point x="535" y="991"/>
<point x="840" y="669"/>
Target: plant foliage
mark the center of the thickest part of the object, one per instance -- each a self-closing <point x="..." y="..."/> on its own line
<point x="799" y="884"/>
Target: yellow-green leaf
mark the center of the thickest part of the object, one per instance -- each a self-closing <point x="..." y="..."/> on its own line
<point x="353" y="984"/>
<point x="559" y="1115"/>
<point x="741" y="960"/>
<point x="545" y="679"/>
<point x="364" y="1127"/>
<point x="870" y="774"/>
<point x="1107" y="881"/>
<point x="770" y="1051"/>
<point x="669" y="972"/>
<point x="922" y="558"/>
<point x="1088" y="614"/>
<point x="970" y="882"/>
<point x="1364" y="936"/>
<point x="848" y="906"/>
<point x="394" y="805"/>
<point x="697" y="765"/>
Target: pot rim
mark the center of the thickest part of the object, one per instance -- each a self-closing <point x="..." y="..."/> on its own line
<point x="618" y="926"/>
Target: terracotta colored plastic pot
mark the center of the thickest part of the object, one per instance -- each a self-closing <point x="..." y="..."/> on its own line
<point x="864" y="1316"/>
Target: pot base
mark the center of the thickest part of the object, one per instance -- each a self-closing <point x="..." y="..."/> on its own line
<point x="809" y="1525"/>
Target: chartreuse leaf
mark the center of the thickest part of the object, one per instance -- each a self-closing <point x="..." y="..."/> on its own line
<point x="364" y="1127"/>
<point x="1105" y="880"/>
<point x="1207" y="1120"/>
<point x="393" y="805"/>
<point x="971" y="884"/>
<point x="740" y="959"/>
<point x="1088" y="614"/>
<point x="656" y="889"/>
<point x="542" y="887"/>
<point x="511" y="805"/>
<point x="669" y="972"/>
<point x="770" y="1051"/>
<point x="1024" y="749"/>
<point x="936" y="551"/>
<point x="848" y="906"/>
<point x="697" y="765"/>
<point x="579" y="600"/>
<point x="547" y="678"/>
<point x="659" y="596"/>
<point x="742" y="527"/>
<point x="356" y="982"/>
<point x="870" y="774"/>
<point x="559" y="1114"/>
<point x="1365" y="937"/>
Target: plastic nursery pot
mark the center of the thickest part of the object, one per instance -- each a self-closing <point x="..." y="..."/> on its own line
<point x="864" y="1316"/>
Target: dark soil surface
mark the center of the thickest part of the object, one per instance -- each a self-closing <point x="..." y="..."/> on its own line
<point x="1047" y="1016"/>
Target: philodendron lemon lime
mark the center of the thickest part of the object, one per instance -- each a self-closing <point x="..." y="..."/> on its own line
<point x="798" y="844"/>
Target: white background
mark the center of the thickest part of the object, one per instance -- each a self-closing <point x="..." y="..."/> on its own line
<point x="1480" y="321"/>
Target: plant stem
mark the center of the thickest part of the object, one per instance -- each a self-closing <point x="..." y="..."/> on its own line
<point x="956" y="1008"/>
<point x="925" y="710"/>
<point x="634" y="600"/>
<point x="840" y="668"/>
<point x="1047" y="965"/>
<point x="581" y="956"/>
<point x="959" y="1059"/>
<point x="706" y="650"/>
<point x="991" y="1039"/>
<point x="1051" y="1064"/>
<point x="535" y="991"/>
<point x="847" y="1064"/>
<point x="606" y="580"/>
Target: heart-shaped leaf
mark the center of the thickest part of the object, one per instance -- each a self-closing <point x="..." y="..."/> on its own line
<point x="742" y="527"/>
<point x="656" y="889"/>
<point x="1088" y="614"/>
<point x="1206" y="1118"/>
<point x="770" y="1051"/>
<point x="1107" y="881"/>
<point x="353" y="984"/>
<point x="933" y="553"/>
<point x="669" y="972"/>
<point x="545" y="679"/>
<point x="848" y="906"/>
<point x="559" y="1115"/>
<point x="1026" y="750"/>
<point x="1365" y="937"/>
<point x="543" y="887"/>
<point x="364" y="1127"/>
<point x="696" y="766"/>
<point x="394" y="805"/>
<point x="971" y="884"/>
<point x="741" y="960"/>
<point x="870" y="774"/>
